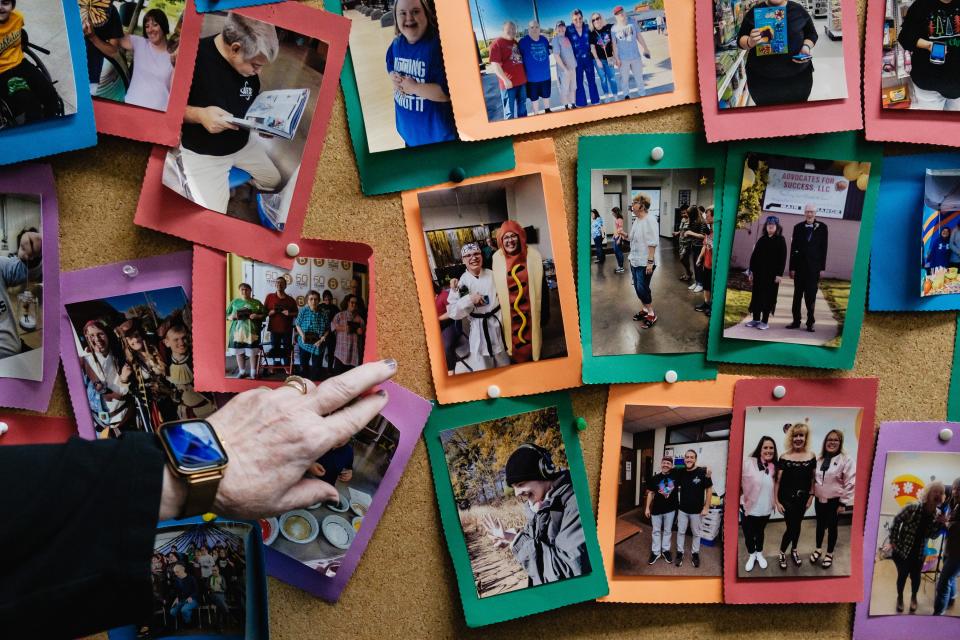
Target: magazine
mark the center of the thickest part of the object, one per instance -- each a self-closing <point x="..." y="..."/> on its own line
<point x="276" y="112"/>
<point x="772" y="21"/>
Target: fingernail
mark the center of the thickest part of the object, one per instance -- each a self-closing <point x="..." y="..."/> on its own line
<point x="382" y="393"/>
<point x="390" y="362"/>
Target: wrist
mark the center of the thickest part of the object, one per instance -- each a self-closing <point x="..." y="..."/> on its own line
<point x="173" y="495"/>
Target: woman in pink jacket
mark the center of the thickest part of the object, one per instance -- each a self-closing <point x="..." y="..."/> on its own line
<point x="833" y="489"/>
<point x="757" y="498"/>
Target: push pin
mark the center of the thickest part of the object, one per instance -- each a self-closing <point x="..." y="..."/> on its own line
<point x="458" y="174"/>
<point x="4" y="427"/>
<point x="293" y="250"/>
<point x="581" y="423"/>
<point x="130" y="271"/>
<point x="493" y="391"/>
<point x="208" y="517"/>
<point x="779" y="391"/>
<point x="656" y="154"/>
<point x="670" y="376"/>
<point x="945" y="434"/>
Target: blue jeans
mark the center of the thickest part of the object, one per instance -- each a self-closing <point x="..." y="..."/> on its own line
<point x="946" y="585"/>
<point x="618" y="252"/>
<point x="608" y="76"/>
<point x="586" y="73"/>
<point x="514" y="102"/>
<point x="184" y="607"/>
<point x="641" y="282"/>
<point x="598" y="245"/>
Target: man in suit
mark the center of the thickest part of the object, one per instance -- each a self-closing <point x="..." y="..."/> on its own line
<point x="808" y="258"/>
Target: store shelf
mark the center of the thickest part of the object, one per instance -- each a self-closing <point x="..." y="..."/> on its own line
<point x="728" y="76"/>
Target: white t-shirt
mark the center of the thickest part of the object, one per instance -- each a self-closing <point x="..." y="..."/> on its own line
<point x="644" y="234"/>
<point x="626" y="36"/>
<point x="763" y="505"/>
<point x="152" y="75"/>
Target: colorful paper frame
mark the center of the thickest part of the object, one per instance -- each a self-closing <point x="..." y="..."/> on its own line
<point x="38" y="179"/>
<point x="895" y="252"/>
<point x="158" y="272"/>
<point x="632" y="151"/>
<point x="205" y="6"/>
<point x="425" y="165"/>
<point x="58" y="135"/>
<point x="31" y="429"/>
<point x="953" y="395"/>
<point x="837" y="392"/>
<point x="466" y="91"/>
<point x="408" y="412"/>
<point x="533" y="157"/>
<point x="822" y="116"/>
<point x="651" y="589"/>
<point x="162" y="209"/>
<point x="507" y="606"/>
<point x="833" y="146"/>
<point x="209" y="327"/>
<point x="899" y="436"/>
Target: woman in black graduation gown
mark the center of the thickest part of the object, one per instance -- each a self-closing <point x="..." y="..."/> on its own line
<point x="767" y="262"/>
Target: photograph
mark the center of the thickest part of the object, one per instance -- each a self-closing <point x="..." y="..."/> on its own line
<point x="405" y="103"/>
<point x="199" y="578"/>
<point x="794" y="249"/>
<point x="545" y="56"/>
<point x="940" y="233"/>
<point x="21" y="290"/>
<point x="132" y="49"/>
<point x="921" y="55"/>
<point x="770" y="52"/>
<point x="516" y="502"/>
<point x="494" y="279"/>
<point x="36" y="73"/>
<point x="136" y="355"/>
<point x="918" y="535"/>
<point x="309" y="320"/>
<point x="250" y="108"/>
<point x="320" y="535"/>
<point x="797" y="489"/>
<point x="673" y="463"/>
<point x="653" y="296"/>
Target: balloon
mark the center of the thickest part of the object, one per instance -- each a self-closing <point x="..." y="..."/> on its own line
<point x="748" y="178"/>
<point x="851" y="170"/>
<point x="863" y="181"/>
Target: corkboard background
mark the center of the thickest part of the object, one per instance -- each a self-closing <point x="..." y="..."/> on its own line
<point x="404" y="586"/>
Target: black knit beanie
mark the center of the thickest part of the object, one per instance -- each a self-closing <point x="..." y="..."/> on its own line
<point x="529" y="462"/>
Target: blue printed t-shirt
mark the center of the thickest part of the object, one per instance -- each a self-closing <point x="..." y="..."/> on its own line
<point x="581" y="43"/>
<point x="536" y="58"/>
<point x="421" y="121"/>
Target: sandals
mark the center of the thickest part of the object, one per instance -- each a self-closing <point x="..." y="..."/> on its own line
<point x="827" y="561"/>
<point x="796" y="557"/>
<point x="783" y="561"/>
<point x="815" y="556"/>
<point x="913" y="604"/>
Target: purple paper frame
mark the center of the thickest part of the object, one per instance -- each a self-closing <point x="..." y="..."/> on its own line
<point x="408" y="412"/>
<point x="37" y="179"/>
<point x="158" y="272"/>
<point x="899" y="436"/>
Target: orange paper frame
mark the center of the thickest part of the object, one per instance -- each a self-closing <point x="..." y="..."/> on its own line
<point x="651" y="589"/>
<point x="466" y="90"/>
<point x="533" y="157"/>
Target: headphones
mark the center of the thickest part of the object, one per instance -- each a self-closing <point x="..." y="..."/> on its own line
<point x="547" y="469"/>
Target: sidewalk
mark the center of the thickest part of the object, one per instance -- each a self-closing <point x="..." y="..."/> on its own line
<point x="825" y="328"/>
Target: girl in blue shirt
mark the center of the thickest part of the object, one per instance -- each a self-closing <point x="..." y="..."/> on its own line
<point x="597" y="234"/>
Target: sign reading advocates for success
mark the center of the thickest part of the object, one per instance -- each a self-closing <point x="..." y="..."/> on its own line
<point x="790" y="191"/>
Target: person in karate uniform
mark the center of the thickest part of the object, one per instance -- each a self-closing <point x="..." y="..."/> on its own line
<point x="474" y="297"/>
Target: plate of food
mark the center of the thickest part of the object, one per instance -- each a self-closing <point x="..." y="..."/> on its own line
<point x="338" y="531"/>
<point x="270" y="529"/>
<point x="299" y="526"/>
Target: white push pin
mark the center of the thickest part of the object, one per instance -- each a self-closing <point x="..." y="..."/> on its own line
<point x="945" y="434"/>
<point x="4" y="427"/>
<point x="293" y="250"/>
<point x="130" y="271"/>
<point x="670" y="376"/>
<point x="493" y="391"/>
<point x="656" y="154"/>
<point x="779" y="391"/>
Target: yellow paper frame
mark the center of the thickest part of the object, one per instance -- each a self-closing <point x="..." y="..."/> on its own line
<point x="533" y="157"/>
<point x="466" y="90"/>
<point x="651" y="589"/>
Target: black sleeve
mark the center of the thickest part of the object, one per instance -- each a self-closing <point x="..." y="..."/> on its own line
<point x="913" y="26"/>
<point x="793" y="250"/>
<point x="823" y="259"/>
<point x="809" y="28"/>
<point x="544" y="301"/>
<point x="746" y="26"/>
<point x="781" y="255"/>
<point x="79" y="524"/>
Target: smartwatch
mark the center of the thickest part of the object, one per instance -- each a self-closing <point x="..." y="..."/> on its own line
<point x="195" y="454"/>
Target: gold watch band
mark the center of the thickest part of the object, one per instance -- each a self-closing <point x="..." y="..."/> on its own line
<point x="201" y="492"/>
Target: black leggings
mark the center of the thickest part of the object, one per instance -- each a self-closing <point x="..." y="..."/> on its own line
<point x="910" y="567"/>
<point x="827" y="522"/>
<point x="793" y="509"/>
<point x="39" y="102"/>
<point x="753" y="527"/>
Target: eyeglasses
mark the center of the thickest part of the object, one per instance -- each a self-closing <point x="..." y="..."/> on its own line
<point x="595" y="18"/>
<point x="468" y="256"/>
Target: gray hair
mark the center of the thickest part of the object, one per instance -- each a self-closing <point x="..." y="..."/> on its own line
<point x="253" y="36"/>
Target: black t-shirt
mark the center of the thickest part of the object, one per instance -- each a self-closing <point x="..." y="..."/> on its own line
<point x="800" y="27"/>
<point x="937" y="22"/>
<point x="602" y="41"/>
<point x="216" y="83"/>
<point x="693" y="485"/>
<point x="665" y="496"/>
<point x="111" y="28"/>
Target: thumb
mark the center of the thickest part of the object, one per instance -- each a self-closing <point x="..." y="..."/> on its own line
<point x="308" y="491"/>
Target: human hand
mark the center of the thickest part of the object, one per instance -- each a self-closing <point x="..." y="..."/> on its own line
<point x="409" y="85"/>
<point x="501" y="537"/>
<point x="395" y="78"/>
<point x="649" y="269"/>
<point x="616" y="63"/>
<point x="646" y="54"/>
<point x="454" y="283"/>
<point x="754" y="38"/>
<point x="778" y="279"/>
<point x="31" y="245"/>
<point x="125" y="373"/>
<point x="793" y="275"/>
<point x="346" y="475"/>
<point x="923" y="43"/>
<point x="750" y="278"/>
<point x="87" y="29"/>
<point x="706" y="510"/>
<point x="778" y="506"/>
<point x="216" y="120"/>
<point x="507" y="83"/>
<point x="477" y="299"/>
<point x="273" y="436"/>
<point x="809" y="502"/>
<point x="317" y="469"/>
<point x="699" y="261"/>
<point x="647" y="513"/>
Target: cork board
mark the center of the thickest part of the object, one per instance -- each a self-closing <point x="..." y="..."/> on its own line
<point x="405" y="581"/>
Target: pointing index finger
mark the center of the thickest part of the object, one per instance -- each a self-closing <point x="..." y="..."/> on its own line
<point x="336" y="392"/>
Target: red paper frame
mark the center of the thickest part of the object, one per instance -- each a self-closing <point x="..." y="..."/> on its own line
<point x="823" y="392"/>
<point x="150" y="125"/>
<point x="162" y="209"/>
<point x="33" y="429"/>
<point x="209" y="328"/>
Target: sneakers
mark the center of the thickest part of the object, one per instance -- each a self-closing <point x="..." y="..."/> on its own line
<point x="693" y="286"/>
<point x="703" y="306"/>
<point x="761" y="560"/>
<point x="698" y="289"/>
<point x="763" y="326"/>
<point x="810" y="328"/>
<point x="679" y="561"/>
<point x="750" y="562"/>
<point x="653" y="558"/>
<point x="667" y="556"/>
<point x="696" y="560"/>
<point x="793" y="325"/>
<point x="649" y="321"/>
<point x="752" y="323"/>
<point x="618" y="270"/>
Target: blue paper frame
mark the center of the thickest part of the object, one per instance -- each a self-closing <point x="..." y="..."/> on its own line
<point x="206" y="6"/>
<point x="66" y="133"/>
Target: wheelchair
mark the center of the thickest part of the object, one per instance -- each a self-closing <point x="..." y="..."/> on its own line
<point x="8" y="115"/>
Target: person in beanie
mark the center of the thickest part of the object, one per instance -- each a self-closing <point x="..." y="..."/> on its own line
<point x="551" y="546"/>
<point x="767" y="262"/>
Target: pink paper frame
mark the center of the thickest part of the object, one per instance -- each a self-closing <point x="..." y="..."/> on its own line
<point x="823" y="392"/>
<point x="149" y="125"/>
<point x="209" y="327"/>
<point x="162" y="209"/>
<point x="822" y="116"/>
<point x="898" y="125"/>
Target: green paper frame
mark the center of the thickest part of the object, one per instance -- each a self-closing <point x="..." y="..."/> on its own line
<point x="493" y="609"/>
<point x="413" y="167"/>
<point x="681" y="151"/>
<point x="834" y="146"/>
<point x="953" y="394"/>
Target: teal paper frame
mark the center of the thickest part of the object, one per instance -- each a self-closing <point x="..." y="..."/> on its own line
<point x="953" y="393"/>
<point x="492" y="609"/>
<point x="414" y="167"/>
<point x="833" y="146"/>
<point x="681" y="151"/>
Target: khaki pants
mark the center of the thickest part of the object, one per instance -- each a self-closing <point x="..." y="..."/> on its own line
<point x="207" y="176"/>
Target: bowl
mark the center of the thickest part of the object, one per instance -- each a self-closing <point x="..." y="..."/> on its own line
<point x="299" y="526"/>
<point x="270" y="529"/>
<point x="338" y="531"/>
<point x="359" y="508"/>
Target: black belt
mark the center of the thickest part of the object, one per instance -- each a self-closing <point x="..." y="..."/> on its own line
<point x="486" y="327"/>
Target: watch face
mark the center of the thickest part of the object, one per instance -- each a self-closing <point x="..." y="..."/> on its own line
<point x="193" y="445"/>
